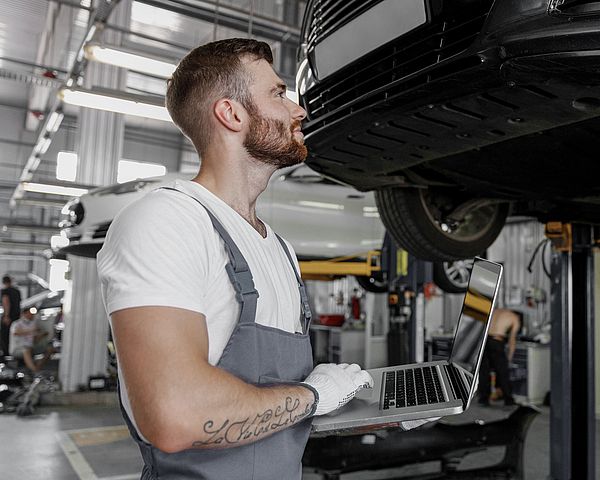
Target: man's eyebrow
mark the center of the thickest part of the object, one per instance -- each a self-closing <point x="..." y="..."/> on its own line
<point x="279" y="86"/>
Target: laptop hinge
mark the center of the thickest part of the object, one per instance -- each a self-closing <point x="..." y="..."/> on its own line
<point x="459" y="383"/>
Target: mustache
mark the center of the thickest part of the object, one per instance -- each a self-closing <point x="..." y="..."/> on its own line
<point x="296" y="124"/>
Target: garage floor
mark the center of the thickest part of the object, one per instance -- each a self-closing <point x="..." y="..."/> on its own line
<point x="91" y="442"/>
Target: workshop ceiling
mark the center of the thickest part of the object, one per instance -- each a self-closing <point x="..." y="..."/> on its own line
<point x="39" y="42"/>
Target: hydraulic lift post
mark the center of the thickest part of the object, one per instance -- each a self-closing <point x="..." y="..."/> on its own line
<point x="572" y="422"/>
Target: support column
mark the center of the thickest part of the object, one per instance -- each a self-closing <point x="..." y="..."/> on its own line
<point x="84" y="349"/>
<point x="572" y="427"/>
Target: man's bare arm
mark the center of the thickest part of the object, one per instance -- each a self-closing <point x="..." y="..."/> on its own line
<point x="6" y="308"/>
<point x="179" y="400"/>
<point x="512" y="341"/>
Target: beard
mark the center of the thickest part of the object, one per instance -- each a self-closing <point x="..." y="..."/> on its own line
<point x="270" y="141"/>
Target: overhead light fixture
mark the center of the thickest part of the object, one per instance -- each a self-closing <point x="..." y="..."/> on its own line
<point x="115" y="101"/>
<point x="130" y="60"/>
<point x="139" y="62"/>
<point x="42" y="146"/>
<point x="54" y="121"/>
<point x="53" y="189"/>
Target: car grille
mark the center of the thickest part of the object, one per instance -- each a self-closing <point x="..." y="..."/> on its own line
<point x="330" y="15"/>
<point x="101" y="230"/>
<point x="421" y="49"/>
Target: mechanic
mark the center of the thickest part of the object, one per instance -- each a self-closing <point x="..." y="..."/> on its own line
<point x="504" y="328"/>
<point x="28" y="340"/>
<point x="209" y="315"/>
<point x="11" y="304"/>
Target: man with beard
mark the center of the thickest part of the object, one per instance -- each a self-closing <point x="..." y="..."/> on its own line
<point x="208" y="312"/>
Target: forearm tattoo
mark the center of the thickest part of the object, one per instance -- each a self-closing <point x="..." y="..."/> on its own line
<point x="251" y="428"/>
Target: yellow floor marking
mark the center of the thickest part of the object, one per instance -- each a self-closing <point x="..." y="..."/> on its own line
<point x="100" y="436"/>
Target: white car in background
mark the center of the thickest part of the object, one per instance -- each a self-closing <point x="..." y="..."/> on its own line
<point x="321" y="218"/>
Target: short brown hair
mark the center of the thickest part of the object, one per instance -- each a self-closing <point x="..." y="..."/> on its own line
<point x="206" y="74"/>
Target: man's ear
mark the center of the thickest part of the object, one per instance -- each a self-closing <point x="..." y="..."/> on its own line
<point x="230" y="114"/>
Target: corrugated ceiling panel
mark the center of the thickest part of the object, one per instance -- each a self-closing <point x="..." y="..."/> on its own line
<point x="21" y="23"/>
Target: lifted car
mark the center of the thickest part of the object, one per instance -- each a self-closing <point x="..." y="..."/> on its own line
<point x="456" y="112"/>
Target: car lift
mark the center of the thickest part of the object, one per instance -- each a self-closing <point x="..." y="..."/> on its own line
<point x="572" y="423"/>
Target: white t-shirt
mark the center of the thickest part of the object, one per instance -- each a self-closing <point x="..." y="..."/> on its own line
<point x="163" y="250"/>
<point x="20" y="342"/>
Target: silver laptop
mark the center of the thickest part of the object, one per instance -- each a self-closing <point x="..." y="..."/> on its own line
<point x="430" y="389"/>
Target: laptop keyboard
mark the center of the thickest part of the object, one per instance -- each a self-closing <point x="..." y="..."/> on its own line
<point x="410" y="387"/>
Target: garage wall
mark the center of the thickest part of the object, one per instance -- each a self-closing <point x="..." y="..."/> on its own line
<point x="153" y="146"/>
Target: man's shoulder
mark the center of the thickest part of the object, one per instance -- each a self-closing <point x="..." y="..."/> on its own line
<point x="161" y="208"/>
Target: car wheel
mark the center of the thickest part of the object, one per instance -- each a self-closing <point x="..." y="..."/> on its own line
<point x="435" y="226"/>
<point x="374" y="284"/>
<point x="452" y="277"/>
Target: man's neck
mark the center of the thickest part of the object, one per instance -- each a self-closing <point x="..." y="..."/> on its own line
<point x="238" y="181"/>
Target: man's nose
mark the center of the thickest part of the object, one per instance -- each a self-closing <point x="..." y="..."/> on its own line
<point x="298" y="113"/>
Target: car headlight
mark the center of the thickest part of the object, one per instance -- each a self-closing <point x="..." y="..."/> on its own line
<point x="72" y="214"/>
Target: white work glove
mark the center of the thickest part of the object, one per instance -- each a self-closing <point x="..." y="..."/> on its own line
<point x="337" y="384"/>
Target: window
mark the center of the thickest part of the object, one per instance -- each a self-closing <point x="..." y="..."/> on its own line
<point x="58" y="270"/>
<point x="66" y="166"/>
<point x="129" y="170"/>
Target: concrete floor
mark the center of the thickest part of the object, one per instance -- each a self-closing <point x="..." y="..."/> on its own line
<point x="92" y="443"/>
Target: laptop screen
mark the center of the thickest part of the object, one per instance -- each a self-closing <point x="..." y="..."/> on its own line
<point x="473" y="322"/>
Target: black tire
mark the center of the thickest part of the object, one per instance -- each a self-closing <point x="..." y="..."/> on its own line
<point x="452" y="277"/>
<point x="408" y="214"/>
<point x="372" y="284"/>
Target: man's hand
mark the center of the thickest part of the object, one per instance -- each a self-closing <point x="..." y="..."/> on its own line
<point x="336" y="385"/>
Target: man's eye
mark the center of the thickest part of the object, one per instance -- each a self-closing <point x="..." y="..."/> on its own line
<point x="281" y="94"/>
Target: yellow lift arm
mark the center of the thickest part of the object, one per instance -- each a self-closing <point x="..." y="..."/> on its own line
<point x="362" y="264"/>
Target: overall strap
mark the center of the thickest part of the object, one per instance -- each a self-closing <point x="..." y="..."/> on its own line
<point x="237" y="269"/>
<point x="306" y="312"/>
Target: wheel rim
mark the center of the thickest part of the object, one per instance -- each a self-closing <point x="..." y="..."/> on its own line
<point x="475" y="224"/>
<point x="458" y="272"/>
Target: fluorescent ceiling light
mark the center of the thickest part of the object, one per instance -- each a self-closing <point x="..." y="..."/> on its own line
<point x="54" y="121"/>
<point x="114" y="101"/>
<point x="137" y="62"/>
<point x="53" y="189"/>
<point x="66" y="166"/>
<point x="42" y="146"/>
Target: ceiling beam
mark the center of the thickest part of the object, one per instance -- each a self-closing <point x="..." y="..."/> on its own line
<point x="42" y="229"/>
<point x="231" y="17"/>
<point x="15" y="245"/>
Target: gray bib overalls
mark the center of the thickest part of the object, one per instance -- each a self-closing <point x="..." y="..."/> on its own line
<point x="259" y="355"/>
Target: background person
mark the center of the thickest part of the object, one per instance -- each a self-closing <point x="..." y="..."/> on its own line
<point x="11" y="303"/>
<point x="503" y="329"/>
<point x="28" y="340"/>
